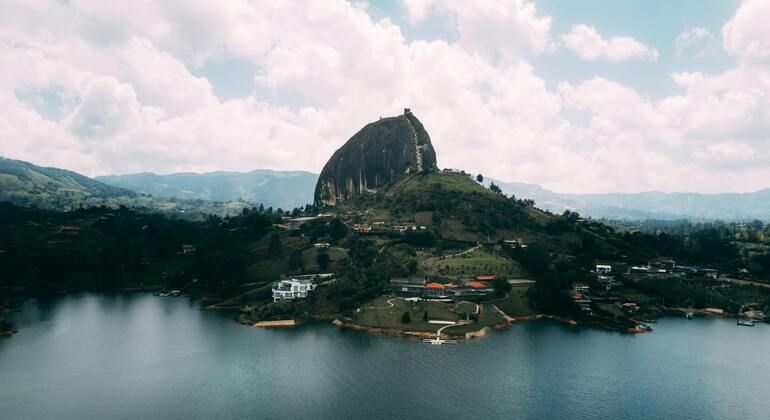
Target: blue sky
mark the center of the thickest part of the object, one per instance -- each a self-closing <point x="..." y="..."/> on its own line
<point x="653" y="22"/>
<point x="577" y="96"/>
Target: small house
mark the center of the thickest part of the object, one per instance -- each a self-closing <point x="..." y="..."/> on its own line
<point x="603" y="269"/>
<point x="434" y="290"/>
<point x="291" y="289"/>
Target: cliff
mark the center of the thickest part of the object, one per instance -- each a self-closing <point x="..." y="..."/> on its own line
<point x="379" y="153"/>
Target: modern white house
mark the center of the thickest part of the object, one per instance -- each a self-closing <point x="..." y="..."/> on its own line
<point x="290" y="289"/>
<point x="603" y="269"/>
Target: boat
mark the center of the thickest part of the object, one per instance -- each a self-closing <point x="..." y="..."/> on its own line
<point x="646" y="327"/>
<point x="437" y="341"/>
<point x="745" y="323"/>
<point x="689" y="315"/>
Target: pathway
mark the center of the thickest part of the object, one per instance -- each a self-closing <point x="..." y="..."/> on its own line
<point x="390" y="305"/>
<point x="506" y="316"/>
<point x="430" y="260"/>
<point x="417" y="148"/>
<point x="747" y="282"/>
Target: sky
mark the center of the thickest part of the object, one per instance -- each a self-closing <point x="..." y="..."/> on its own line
<point x="582" y="97"/>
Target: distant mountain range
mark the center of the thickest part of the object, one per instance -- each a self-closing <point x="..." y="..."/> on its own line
<point x="277" y="189"/>
<point x="27" y="184"/>
<point x="648" y="205"/>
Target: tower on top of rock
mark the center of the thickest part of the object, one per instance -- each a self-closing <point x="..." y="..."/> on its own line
<point x="407" y="111"/>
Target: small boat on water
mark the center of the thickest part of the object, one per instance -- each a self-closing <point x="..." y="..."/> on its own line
<point x="689" y="315"/>
<point x="745" y="323"/>
<point x="645" y="327"/>
<point x="437" y="341"/>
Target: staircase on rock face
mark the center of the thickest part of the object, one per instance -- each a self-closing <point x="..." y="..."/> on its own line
<point x="417" y="148"/>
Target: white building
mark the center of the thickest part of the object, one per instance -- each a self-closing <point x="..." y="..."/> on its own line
<point x="291" y="289"/>
<point x="603" y="269"/>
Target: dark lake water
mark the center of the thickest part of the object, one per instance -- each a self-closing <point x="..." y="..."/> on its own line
<point x="136" y="356"/>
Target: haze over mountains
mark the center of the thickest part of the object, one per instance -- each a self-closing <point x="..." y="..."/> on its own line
<point x="277" y="189"/>
<point x="27" y="184"/>
<point x="648" y="205"/>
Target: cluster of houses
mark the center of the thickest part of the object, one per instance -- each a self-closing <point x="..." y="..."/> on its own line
<point x="581" y="298"/>
<point x="477" y="288"/>
<point x="381" y="227"/>
<point x="608" y="273"/>
<point x="666" y="268"/>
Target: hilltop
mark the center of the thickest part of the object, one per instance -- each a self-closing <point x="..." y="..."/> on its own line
<point x="30" y="185"/>
<point x="381" y="152"/>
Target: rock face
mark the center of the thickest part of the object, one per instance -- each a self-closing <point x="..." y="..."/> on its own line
<point x="379" y="153"/>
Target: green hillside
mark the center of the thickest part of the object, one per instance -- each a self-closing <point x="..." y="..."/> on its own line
<point x="29" y="185"/>
<point x="25" y="184"/>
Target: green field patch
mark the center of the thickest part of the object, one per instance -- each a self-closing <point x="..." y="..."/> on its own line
<point x="310" y="265"/>
<point x="467" y="265"/>
<point x="517" y="302"/>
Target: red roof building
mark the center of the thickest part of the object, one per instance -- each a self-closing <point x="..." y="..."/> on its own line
<point x="434" y="286"/>
<point x="476" y="285"/>
<point x="485" y="277"/>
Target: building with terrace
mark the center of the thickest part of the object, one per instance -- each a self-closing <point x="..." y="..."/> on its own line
<point x="291" y="289"/>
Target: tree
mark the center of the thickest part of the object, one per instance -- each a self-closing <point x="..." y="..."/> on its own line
<point x="425" y="316"/>
<point x="295" y="259"/>
<point x="323" y="260"/>
<point x="494" y="188"/>
<point x="406" y="318"/>
<point x="337" y="229"/>
<point x="275" y="249"/>
<point x="501" y="286"/>
<point x="480" y="178"/>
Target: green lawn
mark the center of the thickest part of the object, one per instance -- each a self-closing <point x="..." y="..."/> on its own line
<point x="479" y="262"/>
<point x="309" y="257"/>
<point x="268" y="270"/>
<point x="377" y="313"/>
<point x="517" y="302"/>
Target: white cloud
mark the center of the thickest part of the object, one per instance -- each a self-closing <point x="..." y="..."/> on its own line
<point x="692" y="39"/>
<point x="501" y="29"/>
<point x="135" y="105"/>
<point x="588" y="44"/>
<point x="747" y="34"/>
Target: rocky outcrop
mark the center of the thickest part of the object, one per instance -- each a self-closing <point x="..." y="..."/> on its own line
<point x="379" y="153"/>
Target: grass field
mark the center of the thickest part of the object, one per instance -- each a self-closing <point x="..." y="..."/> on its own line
<point x="517" y="302"/>
<point x="449" y="182"/>
<point x="309" y="258"/>
<point x="478" y="262"/>
<point x="268" y="270"/>
<point x="381" y="314"/>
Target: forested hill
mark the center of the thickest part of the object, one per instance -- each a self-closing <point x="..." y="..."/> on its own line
<point x="277" y="189"/>
<point x="26" y="184"/>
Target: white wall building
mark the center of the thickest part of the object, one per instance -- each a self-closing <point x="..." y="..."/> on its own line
<point x="603" y="269"/>
<point x="291" y="289"/>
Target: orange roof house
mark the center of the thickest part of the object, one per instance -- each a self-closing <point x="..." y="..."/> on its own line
<point x="434" y="286"/>
<point x="476" y="285"/>
<point x="485" y="277"/>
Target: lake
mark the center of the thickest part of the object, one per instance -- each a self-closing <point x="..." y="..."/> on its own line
<point x="97" y="356"/>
